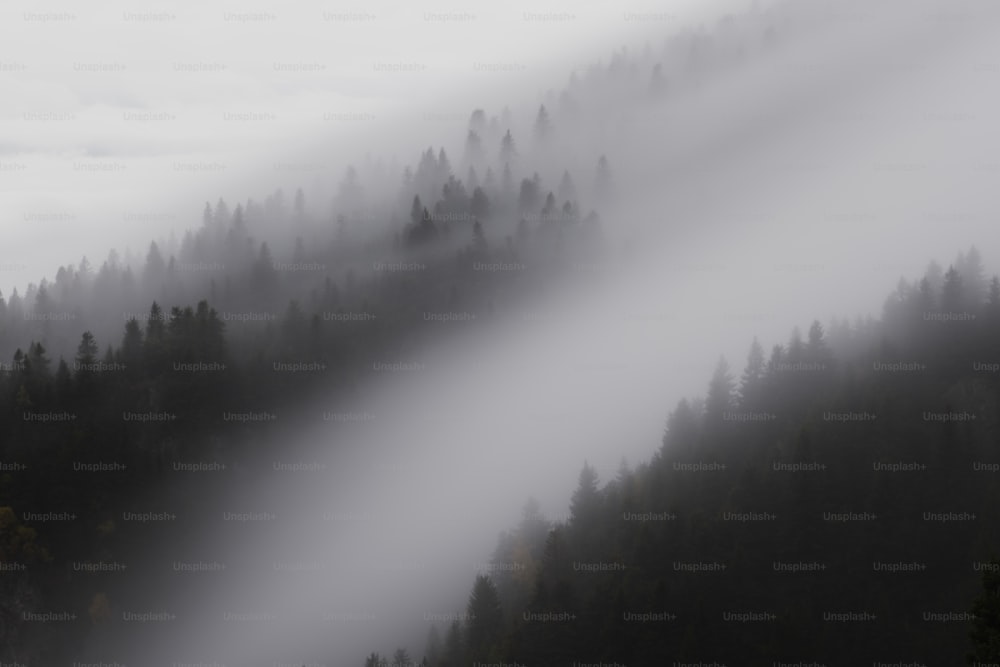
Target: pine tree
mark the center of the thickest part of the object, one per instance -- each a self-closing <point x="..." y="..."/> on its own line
<point x="720" y="397"/>
<point x="952" y="292"/>
<point x="817" y="351"/>
<point x="155" y="326"/>
<point x="549" y="208"/>
<point x="38" y="362"/>
<point x="485" y="624"/>
<point x="156" y="267"/>
<point x="63" y="383"/>
<point x="264" y="275"/>
<point x="586" y="498"/>
<point x="443" y="165"/>
<point x="543" y="125"/>
<point x="508" y="151"/>
<point x="683" y="428"/>
<point x="479" y="205"/>
<point x="970" y="268"/>
<point x="86" y="357"/>
<point x="753" y="374"/>
<point x="221" y="215"/>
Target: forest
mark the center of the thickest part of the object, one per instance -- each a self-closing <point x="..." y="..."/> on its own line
<point x="829" y="499"/>
<point x="833" y="503"/>
<point x="204" y="381"/>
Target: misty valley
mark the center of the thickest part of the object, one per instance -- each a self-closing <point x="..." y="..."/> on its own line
<point x="691" y="359"/>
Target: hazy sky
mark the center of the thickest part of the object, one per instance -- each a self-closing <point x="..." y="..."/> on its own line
<point x="121" y="119"/>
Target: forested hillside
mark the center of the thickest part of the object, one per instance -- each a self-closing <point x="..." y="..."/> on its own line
<point x="116" y="374"/>
<point x="836" y="501"/>
<point x="179" y="385"/>
<point x="832" y="498"/>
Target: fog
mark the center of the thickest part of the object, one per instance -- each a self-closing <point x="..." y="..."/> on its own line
<point x="797" y="184"/>
<point x="122" y="121"/>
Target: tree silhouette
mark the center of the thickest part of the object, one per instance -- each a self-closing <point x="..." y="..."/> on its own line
<point x="720" y="398"/>
<point x="753" y="374"/>
<point x="485" y="620"/>
<point x="543" y="125"/>
<point x="508" y="151"/>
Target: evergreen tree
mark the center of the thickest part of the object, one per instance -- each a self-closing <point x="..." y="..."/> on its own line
<point x="817" y="351"/>
<point x="753" y="374"/>
<point x="479" y="206"/>
<point x="543" y="125"/>
<point x="221" y="215"/>
<point x="63" y="383"/>
<point x="156" y="267"/>
<point x="952" y="292"/>
<point x="970" y="268"/>
<point x="485" y="620"/>
<point x="154" y="325"/>
<point x="38" y="362"/>
<point x="86" y="357"/>
<point x="131" y="347"/>
<point x="264" y="276"/>
<point x="508" y="151"/>
<point x="586" y="498"/>
<point x="444" y="165"/>
<point x="720" y="397"/>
